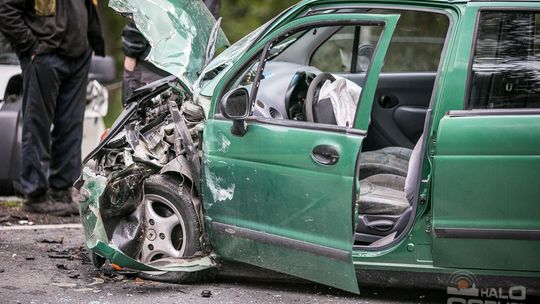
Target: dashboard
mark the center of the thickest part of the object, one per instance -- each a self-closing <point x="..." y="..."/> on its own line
<point x="283" y="87"/>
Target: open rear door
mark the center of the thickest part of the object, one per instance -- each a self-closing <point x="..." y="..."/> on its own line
<point x="281" y="196"/>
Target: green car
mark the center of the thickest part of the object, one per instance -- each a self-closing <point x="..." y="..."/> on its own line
<point x="343" y="142"/>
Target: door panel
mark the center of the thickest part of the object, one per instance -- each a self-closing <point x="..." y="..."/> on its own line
<point x="282" y="196"/>
<point x="275" y="207"/>
<point x="486" y="198"/>
<point x="400" y="105"/>
<point x="410" y="120"/>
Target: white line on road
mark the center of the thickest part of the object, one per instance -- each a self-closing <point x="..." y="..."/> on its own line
<point x="41" y="227"/>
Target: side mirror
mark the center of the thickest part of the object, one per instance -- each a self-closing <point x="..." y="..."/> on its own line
<point x="235" y="105"/>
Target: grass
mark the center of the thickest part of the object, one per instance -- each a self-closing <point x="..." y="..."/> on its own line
<point x="11" y="202"/>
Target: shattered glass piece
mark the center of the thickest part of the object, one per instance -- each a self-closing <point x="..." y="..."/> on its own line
<point x="178" y="32"/>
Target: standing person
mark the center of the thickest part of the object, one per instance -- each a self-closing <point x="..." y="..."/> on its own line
<point x="53" y="40"/>
<point x="138" y="72"/>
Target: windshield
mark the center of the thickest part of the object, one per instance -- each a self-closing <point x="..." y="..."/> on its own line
<point x="235" y="50"/>
<point x="225" y="60"/>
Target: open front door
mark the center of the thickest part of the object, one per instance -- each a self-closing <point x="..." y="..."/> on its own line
<point x="282" y="195"/>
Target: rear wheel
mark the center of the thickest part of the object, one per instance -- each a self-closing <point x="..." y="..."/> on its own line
<point x="172" y="227"/>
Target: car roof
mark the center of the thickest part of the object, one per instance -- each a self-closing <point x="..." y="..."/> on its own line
<point x="417" y="1"/>
<point x="389" y="1"/>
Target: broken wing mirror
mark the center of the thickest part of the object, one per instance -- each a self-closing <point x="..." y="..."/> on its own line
<point x="235" y="105"/>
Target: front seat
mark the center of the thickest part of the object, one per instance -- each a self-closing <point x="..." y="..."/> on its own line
<point x="385" y="198"/>
<point x="389" y="160"/>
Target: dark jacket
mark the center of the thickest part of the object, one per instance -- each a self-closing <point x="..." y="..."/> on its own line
<point x="134" y="44"/>
<point x="65" y="27"/>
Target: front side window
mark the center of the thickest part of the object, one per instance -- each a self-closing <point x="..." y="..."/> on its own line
<point x="338" y="53"/>
<point x="505" y="70"/>
<point x="289" y="88"/>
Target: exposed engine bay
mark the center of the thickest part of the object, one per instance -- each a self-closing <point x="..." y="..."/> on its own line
<point x="159" y="133"/>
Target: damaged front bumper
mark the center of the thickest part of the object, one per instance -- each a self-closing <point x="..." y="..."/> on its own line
<point x="100" y="238"/>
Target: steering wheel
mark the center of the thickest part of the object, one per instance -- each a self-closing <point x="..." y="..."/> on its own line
<point x="296" y="94"/>
<point x="313" y="93"/>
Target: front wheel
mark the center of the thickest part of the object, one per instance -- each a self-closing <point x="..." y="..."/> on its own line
<point x="172" y="227"/>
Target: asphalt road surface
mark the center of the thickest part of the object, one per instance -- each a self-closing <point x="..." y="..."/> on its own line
<point x="43" y="260"/>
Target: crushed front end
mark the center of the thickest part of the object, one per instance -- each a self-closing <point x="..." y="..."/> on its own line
<point x="158" y="135"/>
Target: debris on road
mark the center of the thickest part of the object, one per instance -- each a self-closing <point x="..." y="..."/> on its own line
<point x="60" y="254"/>
<point x="64" y="285"/>
<point x="50" y="241"/>
<point x="206" y="293"/>
<point x="97" y="281"/>
<point x="83" y="289"/>
<point x="139" y="281"/>
<point x="74" y="275"/>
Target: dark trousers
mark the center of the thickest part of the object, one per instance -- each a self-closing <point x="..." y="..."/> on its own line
<point x="54" y="99"/>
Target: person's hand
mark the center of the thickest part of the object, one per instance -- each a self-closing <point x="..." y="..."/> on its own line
<point x="130" y="63"/>
<point x="32" y="57"/>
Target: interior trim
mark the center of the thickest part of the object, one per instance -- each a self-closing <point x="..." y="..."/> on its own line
<point x="276" y="240"/>
<point x="482" y="233"/>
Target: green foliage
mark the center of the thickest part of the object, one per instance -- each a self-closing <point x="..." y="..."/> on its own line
<point x="111" y="28"/>
<point x="240" y="17"/>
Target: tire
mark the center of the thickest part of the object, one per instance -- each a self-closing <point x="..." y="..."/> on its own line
<point x="166" y="190"/>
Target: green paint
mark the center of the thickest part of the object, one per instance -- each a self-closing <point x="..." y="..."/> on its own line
<point x="478" y="172"/>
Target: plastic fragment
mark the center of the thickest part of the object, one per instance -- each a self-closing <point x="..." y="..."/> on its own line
<point x="48" y="241"/>
<point x="97" y="281"/>
<point x="64" y="285"/>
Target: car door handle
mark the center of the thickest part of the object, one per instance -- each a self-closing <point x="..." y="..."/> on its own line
<point x="325" y="155"/>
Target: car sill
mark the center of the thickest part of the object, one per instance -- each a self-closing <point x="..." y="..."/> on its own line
<point x="277" y="240"/>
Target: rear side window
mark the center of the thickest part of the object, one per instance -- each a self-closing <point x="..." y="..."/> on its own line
<point x="505" y="71"/>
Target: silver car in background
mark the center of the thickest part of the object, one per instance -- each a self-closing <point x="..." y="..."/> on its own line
<point x="102" y="72"/>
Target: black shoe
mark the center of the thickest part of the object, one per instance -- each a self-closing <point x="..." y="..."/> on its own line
<point x="65" y="196"/>
<point x="42" y="203"/>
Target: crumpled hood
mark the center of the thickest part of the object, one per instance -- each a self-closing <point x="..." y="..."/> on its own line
<point x="179" y="32"/>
